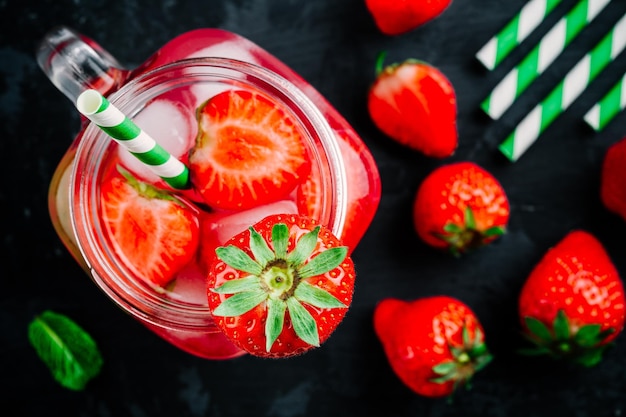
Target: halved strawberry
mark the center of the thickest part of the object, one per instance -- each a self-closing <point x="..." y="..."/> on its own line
<point x="281" y="287"/>
<point x="153" y="233"/>
<point x="249" y="151"/>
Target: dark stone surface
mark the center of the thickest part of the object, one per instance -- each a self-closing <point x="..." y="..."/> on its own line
<point x="333" y="44"/>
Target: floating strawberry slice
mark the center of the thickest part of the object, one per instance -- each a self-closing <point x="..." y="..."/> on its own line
<point x="153" y="233"/>
<point x="249" y="151"/>
<point x="281" y="287"/>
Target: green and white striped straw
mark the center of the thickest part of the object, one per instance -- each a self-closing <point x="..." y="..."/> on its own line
<point x="542" y="55"/>
<point x="124" y="131"/>
<point x="604" y="110"/>
<point x="574" y="83"/>
<point x="514" y="33"/>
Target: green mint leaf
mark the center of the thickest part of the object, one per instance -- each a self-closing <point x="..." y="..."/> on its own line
<point x="561" y="326"/>
<point x="69" y="352"/>
<point x="304" y="247"/>
<point x="303" y="323"/>
<point x="324" y="262"/>
<point x="261" y="251"/>
<point x="240" y="303"/>
<point x="249" y="283"/>
<point x="280" y="240"/>
<point x="538" y="329"/>
<point x="238" y="259"/>
<point x="275" y="321"/>
<point x="316" y="297"/>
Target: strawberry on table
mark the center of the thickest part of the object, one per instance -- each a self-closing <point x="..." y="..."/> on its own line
<point x="613" y="179"/>
<point x="459" y="207"/>
<point x="572" y="304"/>
<point x="415" y="104"/>
<point x="249" y="151"/>
<point x="433" y="344"/>
<point x="281" y="287"/>
<point x="394" y="17"/>
<point x="153" y="233"/>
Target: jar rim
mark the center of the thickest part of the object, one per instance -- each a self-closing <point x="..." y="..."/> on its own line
<point x="130" y="99"/>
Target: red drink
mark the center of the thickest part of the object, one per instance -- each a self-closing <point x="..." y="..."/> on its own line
<point x="162" y="97"/>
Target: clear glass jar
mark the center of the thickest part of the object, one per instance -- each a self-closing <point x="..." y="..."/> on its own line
<point x="75" y="63"/>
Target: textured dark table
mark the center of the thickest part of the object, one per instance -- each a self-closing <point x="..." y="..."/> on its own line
<point x="553" y="188"/>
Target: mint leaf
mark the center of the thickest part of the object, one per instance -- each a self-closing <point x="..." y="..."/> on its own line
<point x="69" y="352"/>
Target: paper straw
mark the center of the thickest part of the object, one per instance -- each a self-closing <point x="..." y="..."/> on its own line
<point x="574" y="83"/>
<point x="111" y="120"/>
<point x="518" y="28"/>
<point x="612" y="103"/>
<point x="542" y="55"/>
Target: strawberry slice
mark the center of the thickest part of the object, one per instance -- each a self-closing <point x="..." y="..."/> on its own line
<point x="152" y="232"/>
<point x="249" y="151"/>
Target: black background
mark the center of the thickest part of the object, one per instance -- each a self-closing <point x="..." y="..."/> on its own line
<point x="333" y="44"/>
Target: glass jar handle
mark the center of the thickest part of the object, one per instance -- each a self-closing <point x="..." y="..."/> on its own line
<point x="75" y="63"/>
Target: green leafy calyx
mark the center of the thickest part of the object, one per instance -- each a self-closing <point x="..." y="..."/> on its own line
<point x="278" y="278"/>
<point x="467" y="359"/>
<point x="69" y="352"/>
<point x="583" y="345"/>
<point x="467" y="237"/>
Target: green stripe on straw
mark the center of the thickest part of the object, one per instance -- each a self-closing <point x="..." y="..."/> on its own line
<point x="124" y="131"/>
<point x="608" y="107"/>
<point x="518" y="29"/>
<point x="574" y="83"/>
<point x="542" y="55"/>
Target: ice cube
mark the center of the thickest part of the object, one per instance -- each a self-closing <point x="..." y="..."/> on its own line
<point x="224" y="226"/>
<point x="170" y="126"/>
<point x="190" y="286"/>
<point x="228" y="49"/>
<point x="217" y="228"/>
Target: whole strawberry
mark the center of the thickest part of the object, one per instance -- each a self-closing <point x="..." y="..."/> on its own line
<point x="281" y="287"/>
<point x="415" y="104"/>
<point x="433" y="344"/>
<point x="153" y="233"/>
<point x="613" y="179"/>
<point x="459" y="207"/>
<point x="572" y="304"/>
<point x="400" y="16"/>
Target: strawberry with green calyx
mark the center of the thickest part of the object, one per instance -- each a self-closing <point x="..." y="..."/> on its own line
<point x="572" y="305"/>
<point x="433" y="344"/>
<point x="152" y="232"/>
<point x="460" y="207"/>
<point x="281" y="287"/>
<point x="249" y="151"/>
<point x="414" y="104"/>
